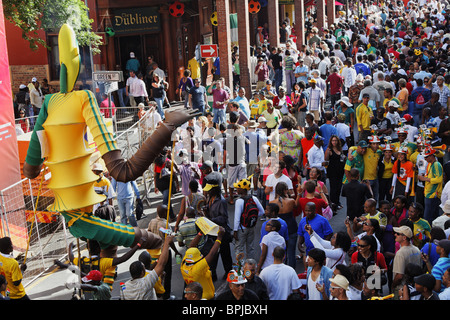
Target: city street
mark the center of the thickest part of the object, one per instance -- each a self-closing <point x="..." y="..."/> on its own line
<point x="52" y="285"/>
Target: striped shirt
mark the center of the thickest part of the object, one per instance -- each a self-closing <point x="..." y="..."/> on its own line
<point x="433" y="188"/>
<point x="439" y="269"/>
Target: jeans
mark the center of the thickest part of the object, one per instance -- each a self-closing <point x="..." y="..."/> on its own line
<point x="374" y="185"/>
<point x="165" y="201"/>
<point x="291" y="248"/>
<point x="126" y="211"/>
<point x="159" y="106"/>
<point x="123" y="99"/>
<point x="278" y="79"/>
<point x="219" y="116"/>
<point x="290" y="80"/>
<point x="383" y="190"/>
<point x="200" y="108"/>
<point x="244" y="244"/>
<point x="431" y="210"/>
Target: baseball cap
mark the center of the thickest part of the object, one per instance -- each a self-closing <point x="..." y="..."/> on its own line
<point x="93" y="275"/>
<point x="97" y="167"/>
<point x="405" y="230"/>
<point x="207" y="164"/>
<point x="444" y="244"/>
<point x="22" y="86"/>
<point x="363" y="144"/>
<point x="209" y="187"/>
<point x="192" y="255"/>
<point x="366" y="95"/>
<point x="426" y="280"/>
<point x="262" y="119"/>
<point x="34" y="79"/>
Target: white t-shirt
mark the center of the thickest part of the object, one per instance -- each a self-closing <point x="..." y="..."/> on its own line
<point x="280" y="280"/>
<point x="271" y="240"/>
<point x="141" y="288"/>
<point x="272" y="181"/>
<point x="313" y="293"/>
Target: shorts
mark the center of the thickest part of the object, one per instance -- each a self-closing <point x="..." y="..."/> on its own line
<point x="316" y="114"/>
<point x="236" y="173"/>
<point x="301" y="118"/>
<point x="251" y="169"/>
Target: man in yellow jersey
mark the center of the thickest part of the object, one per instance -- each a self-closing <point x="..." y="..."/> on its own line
<point x="10" y="269"/>
<point x="433" y="179"/>
<point x="195" y="267"/>
<point x="364" y="116"/>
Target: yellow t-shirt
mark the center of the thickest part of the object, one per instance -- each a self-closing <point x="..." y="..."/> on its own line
<point x="254" y="106"/>
<point x="381" y="217"/>
<point x="387" y="174"/>
<point x="363" y="116"/>
<point x="262" y="106"/>
<point x="9" y="267"/>
<point x="370" y="163"/>
<point x="199" y="272"/>
<point x="194" y="66"/>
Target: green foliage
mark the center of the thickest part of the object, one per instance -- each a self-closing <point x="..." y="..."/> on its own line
<point x="34" y="15"/>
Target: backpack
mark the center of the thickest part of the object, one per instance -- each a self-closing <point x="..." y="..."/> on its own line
<point x="420" y="99"/>
<point x="249" y="216"/>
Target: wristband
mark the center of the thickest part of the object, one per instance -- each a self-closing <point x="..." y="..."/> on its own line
<point x="220" y="242"/>
<point x="138" y="244"/>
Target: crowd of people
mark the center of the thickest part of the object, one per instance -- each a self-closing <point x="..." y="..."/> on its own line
<point x="360" y="114"/>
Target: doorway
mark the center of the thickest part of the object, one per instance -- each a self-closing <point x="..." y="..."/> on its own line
<point x="125" y="45"/>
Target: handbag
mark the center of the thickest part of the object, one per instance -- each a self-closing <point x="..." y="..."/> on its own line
<point x="139" y="208"/>
<point x="327" y="213"/>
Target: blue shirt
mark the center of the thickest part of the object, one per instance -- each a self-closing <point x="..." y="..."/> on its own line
<point x="362" y="68"/>
<point x="198" y="96"/>
<point x="243" y="105"/>
<point x="301" y="69"/>
<point x="326" y="131"/>
<point x="319" y="224"/>
<point x="439" y="269"/>
<point x="125" y="190"/>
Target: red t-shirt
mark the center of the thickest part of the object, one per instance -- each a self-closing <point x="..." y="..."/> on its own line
<point x="380" y="261"/>
<point x="306" y="145"/>
<point x="320" y="204"/>
<point x="336" y="82"/>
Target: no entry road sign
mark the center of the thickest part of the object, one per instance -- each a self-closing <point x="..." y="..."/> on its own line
<point x="209" y="51"/>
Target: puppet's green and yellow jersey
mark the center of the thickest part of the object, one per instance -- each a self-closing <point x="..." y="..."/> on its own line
<point x="59" y="140"/>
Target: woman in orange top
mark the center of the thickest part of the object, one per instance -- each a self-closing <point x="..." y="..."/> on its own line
<point x="403" y="171"/>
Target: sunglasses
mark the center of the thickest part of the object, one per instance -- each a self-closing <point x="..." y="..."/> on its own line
<point x="362" y="245"/>
<point x="186" y="292"/>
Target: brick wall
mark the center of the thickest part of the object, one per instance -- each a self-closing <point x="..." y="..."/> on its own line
<point x="224" y="40"/>
<point x="22" y="74"/>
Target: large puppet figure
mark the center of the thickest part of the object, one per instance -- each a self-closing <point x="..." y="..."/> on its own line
<point x="58" y="141"/>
